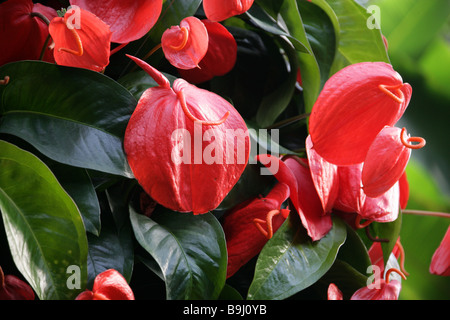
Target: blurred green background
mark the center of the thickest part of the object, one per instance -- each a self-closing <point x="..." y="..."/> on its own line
<point x="418" y="34"/>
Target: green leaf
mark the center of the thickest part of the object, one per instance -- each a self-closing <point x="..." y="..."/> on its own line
<point x="78" y="185"/>
<point x="260" y="18"/>
<point x="356" y="41"/>
<point x="321" y="36"/>
<point x="190" y="250"/>
<point x="291" y="262"/>
<point x="45" y="231"/>
<point x="389" y="231"/>
<point x="309" y="67"/>
<point x="113" y="247"/>
<point x="273" y="104"/>
<point x="74" y="116"/>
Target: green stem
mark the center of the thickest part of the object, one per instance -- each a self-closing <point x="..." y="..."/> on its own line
<point x="41" y="56"/>
<point x="427" y="213"/>
<point x="289" y="121"/>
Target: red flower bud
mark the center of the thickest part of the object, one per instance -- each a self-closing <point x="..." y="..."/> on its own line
<point x="185" y="45"/>
<point x="81" y="41"/>
<point x="355" y="104"/>
<point x="12" y="288"/>
<point x="128" y="20"/>
<point x="22" y="33"/>
<point x="186" y="146"/>
<point x="334" y="293"/>
<point x="219" y="10"/>
<point x="108" y="285"/>
<point x="243" y="226"/>
<point x="220" y="57"/>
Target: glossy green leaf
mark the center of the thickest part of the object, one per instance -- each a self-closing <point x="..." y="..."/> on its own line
<point x="356" y="41"/>
<point x="291" y="262"/>
<point x="45" y="230"/>
<point x="112" y="248"/>
<point x="73" y="116"/>
<point x="77" y="183"/>
<point x="388" y="231"/>
<point x="321" y="36"/>
<point x="309" y="67"/>
<point x="190" y="250"/>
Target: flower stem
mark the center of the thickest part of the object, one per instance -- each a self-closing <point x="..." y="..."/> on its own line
<point x="289" y="121"/>
<point x="40" y="16"/>
<point x="427" y="213"/>
<point x="41" y="56"/>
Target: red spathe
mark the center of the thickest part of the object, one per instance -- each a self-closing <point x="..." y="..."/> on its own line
<point x="185" y="165"/>
<point x="355" y="104"/>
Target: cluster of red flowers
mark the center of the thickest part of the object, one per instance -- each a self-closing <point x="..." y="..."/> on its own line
<point x="81" y="36"/>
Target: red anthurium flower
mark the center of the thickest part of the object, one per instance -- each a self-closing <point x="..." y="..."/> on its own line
<point x="249" y="226"/>
<point x="128" y="20"/>
<point x="296" y="173"/>
<point x="325" y="177"/>
<point x="24" y="31"/>
<point x="355" y="104"/>
<point x="383" y="208"/>
<point x="440" y="262"/>
<point x="185" y="45"/>
<point x="12" y="288"/>
<point x="108" y="285"/>
<point x="186" y="146"/>
<point x="219" y="10"/>
<point x="334" y="293"/>
<point x="220" y="57"/>
<point x="383" y="290"/>
<point x="314" y="218"/>
<point x="351" y="197"/>
<point x="81" y="40"/>
<point x="386" y="160"/>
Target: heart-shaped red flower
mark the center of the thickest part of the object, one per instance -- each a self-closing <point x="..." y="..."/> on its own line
<point x="185" y="45"/>
<point x="108" y="285"/>
<point x="84" y="43"/>
<point x="128" y="20"/>
<point x="219" y="10"/>
<point x="186" y="146"/>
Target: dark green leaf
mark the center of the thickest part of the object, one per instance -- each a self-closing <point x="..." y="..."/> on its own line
<point x="309" y="67"/>
<point x="45" y="231"/>
<point x="74" y="116"/>
<point x="291" y="262"/>
<point x="273" y="104"/>
<point x="190" y="250"/>
<point x="388" y="231"/>
<point x="78" y="185"/>
<point x="264" y="21"/>
<point x="112" y="249"/>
